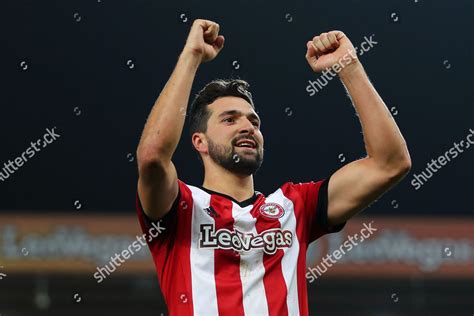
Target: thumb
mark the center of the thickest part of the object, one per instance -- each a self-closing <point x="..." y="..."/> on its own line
<point x="219" y="42"/>
<point x="310" y="52"/>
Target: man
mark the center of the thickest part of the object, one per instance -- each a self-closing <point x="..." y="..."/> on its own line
<point x="228" y="249"/>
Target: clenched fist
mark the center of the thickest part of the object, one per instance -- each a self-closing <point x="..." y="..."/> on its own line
<point x="204" y="40"/>
<point x="332" y="49"/>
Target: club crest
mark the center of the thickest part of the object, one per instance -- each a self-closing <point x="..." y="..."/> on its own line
<point x="272" y="210"/>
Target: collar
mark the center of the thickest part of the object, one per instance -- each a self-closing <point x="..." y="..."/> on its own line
<point x="242" y="204"/>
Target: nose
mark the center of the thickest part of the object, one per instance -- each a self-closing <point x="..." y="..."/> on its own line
<point x="247" y="127"/>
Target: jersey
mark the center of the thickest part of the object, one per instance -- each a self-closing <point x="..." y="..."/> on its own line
<point x="219" y="256"/>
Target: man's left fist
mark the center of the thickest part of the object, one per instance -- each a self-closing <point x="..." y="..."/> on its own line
<point x="329" y="49"/>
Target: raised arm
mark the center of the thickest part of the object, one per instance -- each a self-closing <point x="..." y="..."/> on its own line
<point x="357" y="184"/>
<point x="158" y="180"/>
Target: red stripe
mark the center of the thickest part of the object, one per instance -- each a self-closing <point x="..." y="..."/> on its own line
<point x="302" y="234"/>
<point x="226" y="263"/>
<point x="171" y="252"/>
<point x="273" y="280"/>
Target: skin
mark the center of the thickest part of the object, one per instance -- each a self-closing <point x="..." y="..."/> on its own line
<point x="229" y="169"/>
<point x="351" y="188"/>
<point x="357" y="184"/>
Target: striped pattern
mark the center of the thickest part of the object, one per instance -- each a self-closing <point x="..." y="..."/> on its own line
<point x="210" y="280"/>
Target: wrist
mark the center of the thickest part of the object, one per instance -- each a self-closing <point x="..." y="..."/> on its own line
<point x="190" y="58"/>
<point x="353" y="69"/>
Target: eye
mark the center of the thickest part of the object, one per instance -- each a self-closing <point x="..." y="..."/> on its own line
<point x="227" y="119"/>
<point x="255" y="123"/>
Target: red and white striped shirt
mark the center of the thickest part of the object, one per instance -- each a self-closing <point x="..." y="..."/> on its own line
<point x="218" y="256"/>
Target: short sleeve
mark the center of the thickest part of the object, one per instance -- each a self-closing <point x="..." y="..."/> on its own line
<point x="321" y="225"/>
<point x="314" y="205"/>
<point x="166" y="225"/>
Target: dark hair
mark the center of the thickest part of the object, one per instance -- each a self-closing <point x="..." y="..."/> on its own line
<point x="199" y="113"/>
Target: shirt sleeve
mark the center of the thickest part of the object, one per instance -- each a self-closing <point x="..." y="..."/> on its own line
<point x="174" y="230"/>
<point x="314" y="196"/>
<point x="166" y="225"/>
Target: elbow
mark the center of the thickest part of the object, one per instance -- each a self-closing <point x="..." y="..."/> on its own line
<point x="395" y="169"/>
<point x="149" y="157"/>
<point x="150" y="169"/>
<point x="400" y="169"/>
<point x="405" y="164"/>
<point x="405" y="168"/>
<point x="145" y="155"/>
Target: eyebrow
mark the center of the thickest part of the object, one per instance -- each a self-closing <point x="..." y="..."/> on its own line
<point x="236" y="112"/>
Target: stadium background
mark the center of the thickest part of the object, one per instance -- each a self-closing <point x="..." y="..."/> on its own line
<point x="94" y="69"/>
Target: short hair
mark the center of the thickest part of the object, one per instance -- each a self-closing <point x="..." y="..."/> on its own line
<point x="199" y="113"/>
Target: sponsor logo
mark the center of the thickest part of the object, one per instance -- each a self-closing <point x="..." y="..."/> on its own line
<point x="272" y="210"/>
<point x="269" y="240"/>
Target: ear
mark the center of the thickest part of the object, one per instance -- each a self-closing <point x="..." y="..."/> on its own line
<point x="200" y="142"/>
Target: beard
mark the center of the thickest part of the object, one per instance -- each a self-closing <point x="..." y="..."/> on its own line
<point x="230" y="159"/>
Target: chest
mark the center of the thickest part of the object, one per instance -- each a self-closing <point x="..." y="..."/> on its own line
<point x="265" y="226"/>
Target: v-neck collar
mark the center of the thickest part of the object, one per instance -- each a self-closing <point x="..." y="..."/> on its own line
<point x="242" y="204"/>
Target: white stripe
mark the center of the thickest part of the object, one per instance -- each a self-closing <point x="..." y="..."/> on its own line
<point x="251" y="266"/>
<point x="289" y="262"/>
<point x="202" y="260"/>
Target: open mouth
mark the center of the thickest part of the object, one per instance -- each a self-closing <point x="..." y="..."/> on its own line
<point x="246" y="143"/>
<point x="247" y="148"/>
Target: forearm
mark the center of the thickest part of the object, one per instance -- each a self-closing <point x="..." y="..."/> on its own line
<point x="383" y="140"/>
<point x="165" y="123"/>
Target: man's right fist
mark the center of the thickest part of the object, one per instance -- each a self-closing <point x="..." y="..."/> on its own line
<point x="204" y="40"/>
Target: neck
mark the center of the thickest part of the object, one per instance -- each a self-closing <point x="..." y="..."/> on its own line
<point x="218" y="179"/>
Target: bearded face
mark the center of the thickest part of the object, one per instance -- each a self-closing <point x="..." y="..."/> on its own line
<point x="233" y="134"/>
<point x="239" y="156"/>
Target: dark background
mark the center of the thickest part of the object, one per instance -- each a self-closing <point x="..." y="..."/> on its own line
<point x="84" y="64"/>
